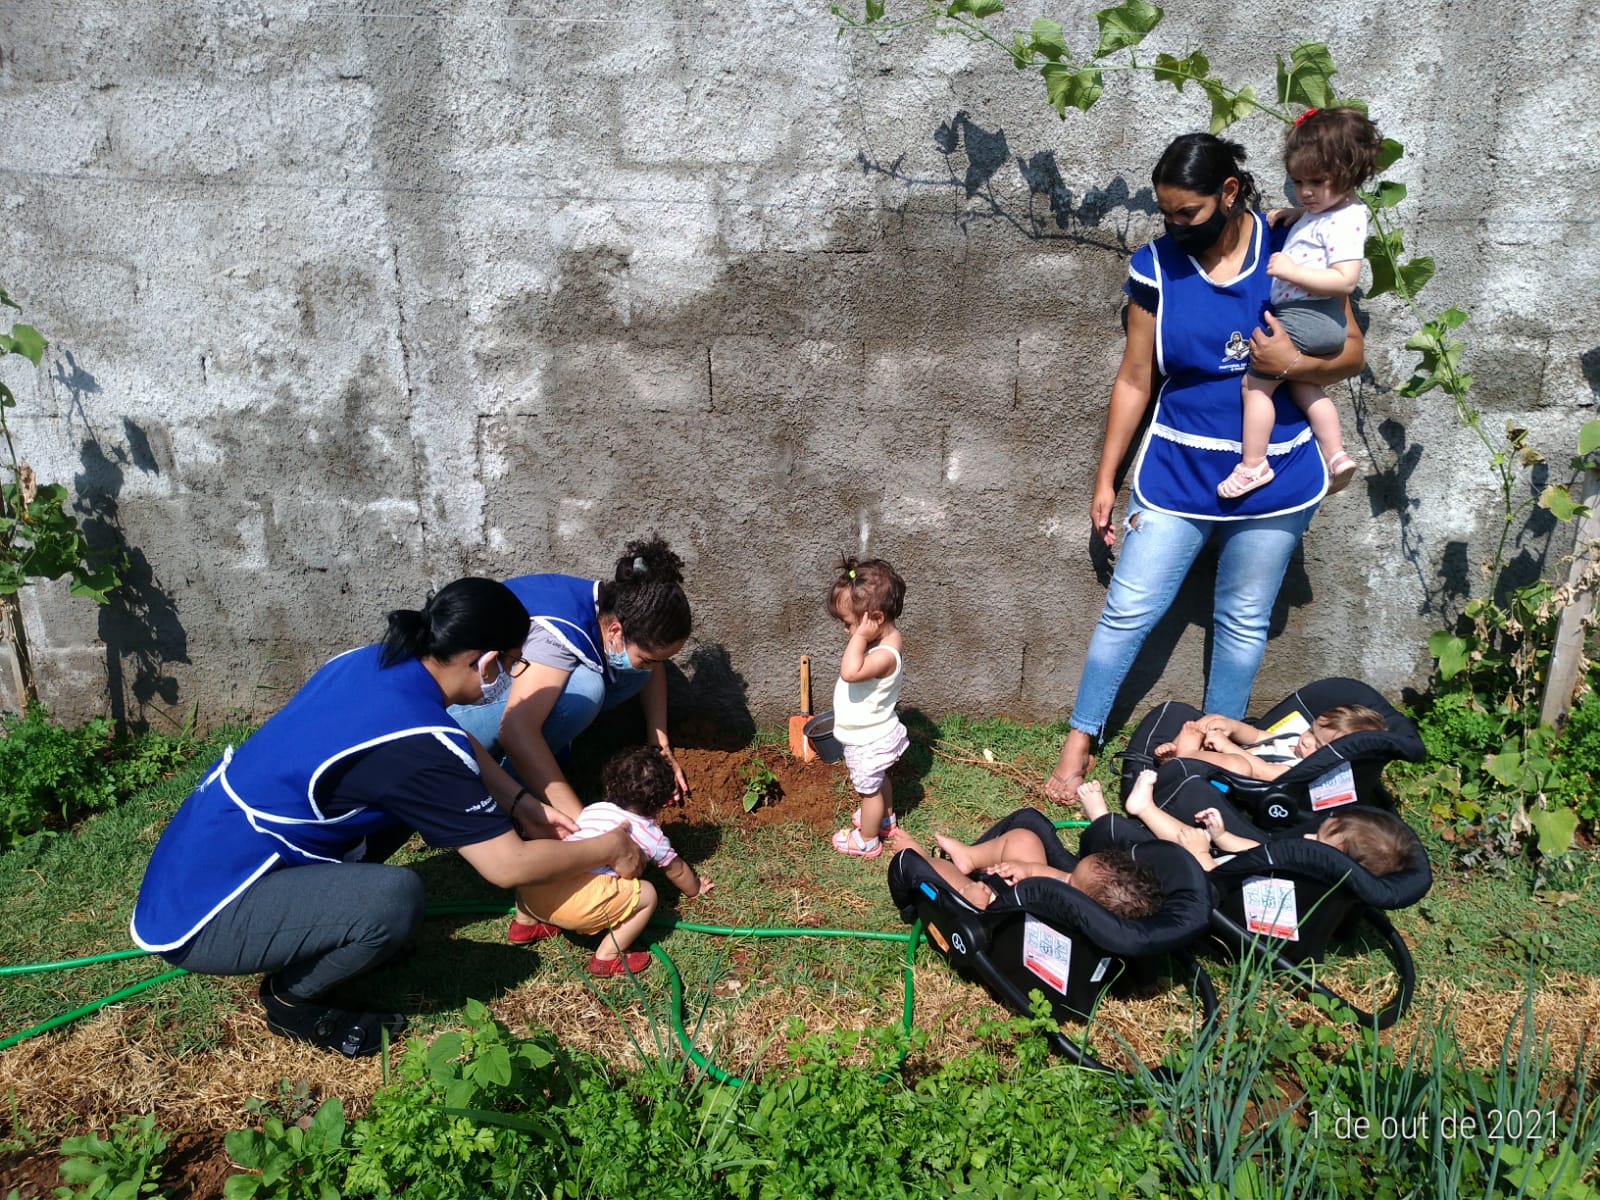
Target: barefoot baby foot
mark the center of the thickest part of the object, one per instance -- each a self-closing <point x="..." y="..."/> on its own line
<point x="957" y="852"/>
<point x="1143" y="793"/>
<point x="1092" y="800"/>
<point x="898" y="839"/>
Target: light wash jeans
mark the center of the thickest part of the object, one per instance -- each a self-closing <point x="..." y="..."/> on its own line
<point x="1157" y="552"/>
<point x="586" y="693"/>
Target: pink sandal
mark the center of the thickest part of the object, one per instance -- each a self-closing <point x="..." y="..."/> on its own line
<point x="1341" y="470"/>
<point x="887" y="825"/>
<point x="1244" y="480"/>
<point x="849" y="841"/>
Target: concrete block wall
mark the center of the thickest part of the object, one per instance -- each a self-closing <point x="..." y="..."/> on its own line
<point x="348" y="299"/>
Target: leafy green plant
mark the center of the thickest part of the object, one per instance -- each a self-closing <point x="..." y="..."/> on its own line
<point x="760" y="783"/>
<point x="123" y="1166"/>
<point x="39" y="538"/>
<point x="50" y="773"/>
<point x="291" y="1162"/>
<point x="427" y="1137"/>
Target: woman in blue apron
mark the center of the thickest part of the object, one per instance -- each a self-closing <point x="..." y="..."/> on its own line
<point x="592" y="645"/>
<point x="1197" y="319"/>
<point x="275" y="864"/>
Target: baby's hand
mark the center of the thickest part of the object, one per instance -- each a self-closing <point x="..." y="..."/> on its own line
<point x="1014" y="872"/>
<point x="1217" y="741"/>
<point x="1210" y="820"/>
<point x="705" y="886"/>
<point x="1283" y="216"/>
<point x="869" y="627"/>
<point x="1280" y="265"/>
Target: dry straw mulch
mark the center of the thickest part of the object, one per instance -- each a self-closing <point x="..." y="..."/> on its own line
<point x="104" y="1068"/>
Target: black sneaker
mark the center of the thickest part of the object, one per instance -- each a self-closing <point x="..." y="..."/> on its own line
<point x="353" y="1034"/>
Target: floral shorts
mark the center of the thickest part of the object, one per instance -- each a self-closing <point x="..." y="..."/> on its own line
<point x="870" y="763"/>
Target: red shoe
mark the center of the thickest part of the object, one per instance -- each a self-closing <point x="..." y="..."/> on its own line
<point x="632" y="963"/>
<point x="519" y="934"/>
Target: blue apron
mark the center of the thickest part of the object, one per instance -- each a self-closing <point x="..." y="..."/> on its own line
<point x="258" y="810"/>
<point x="566" y="606"/>
<point x="1203" y="351"/>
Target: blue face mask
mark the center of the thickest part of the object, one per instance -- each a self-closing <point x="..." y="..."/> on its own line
<point x="620" y="661"/>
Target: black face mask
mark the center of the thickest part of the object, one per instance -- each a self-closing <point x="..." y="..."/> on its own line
<point x="1201" y="236"/>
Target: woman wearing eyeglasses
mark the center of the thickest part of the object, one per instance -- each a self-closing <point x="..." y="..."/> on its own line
<point x="275" y="863"/>
<point x="592" y="645"/>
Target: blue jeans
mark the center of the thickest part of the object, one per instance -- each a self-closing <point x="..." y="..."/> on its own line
<point x="582" y="698"/>
<point x="1157" y="552"/>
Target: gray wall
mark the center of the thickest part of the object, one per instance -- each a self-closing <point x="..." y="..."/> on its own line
<point x="346" y="300"/>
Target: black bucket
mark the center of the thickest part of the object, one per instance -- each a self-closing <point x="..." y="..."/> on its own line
<point x="819" y="730"/>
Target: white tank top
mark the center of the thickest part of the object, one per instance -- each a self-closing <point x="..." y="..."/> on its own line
<point x="864" y="712"/>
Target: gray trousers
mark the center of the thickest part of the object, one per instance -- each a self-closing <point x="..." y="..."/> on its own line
<point x="314" y="926"/>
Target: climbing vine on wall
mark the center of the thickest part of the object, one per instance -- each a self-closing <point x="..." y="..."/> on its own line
<point x="1491" y="632"/>
<point x="39" y="537"/>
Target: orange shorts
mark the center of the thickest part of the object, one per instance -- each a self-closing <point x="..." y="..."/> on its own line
<point x="582" y="903"/>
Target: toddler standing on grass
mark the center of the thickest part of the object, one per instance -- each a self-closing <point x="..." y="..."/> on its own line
<point x="637" y="785"/>
<point x="866" y="598"/>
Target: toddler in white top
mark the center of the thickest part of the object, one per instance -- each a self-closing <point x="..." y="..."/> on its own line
<point x="867" y="598"/>
<point x="1329" y="153"/>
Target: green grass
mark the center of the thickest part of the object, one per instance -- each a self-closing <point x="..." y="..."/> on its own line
<point x="72" y="894"/>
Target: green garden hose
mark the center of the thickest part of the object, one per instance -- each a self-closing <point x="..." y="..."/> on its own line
<point x="473" y="908"/>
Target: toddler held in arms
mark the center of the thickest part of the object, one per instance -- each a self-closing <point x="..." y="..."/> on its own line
<point x="1328" y="154"/>
<point x="637" y="785"/>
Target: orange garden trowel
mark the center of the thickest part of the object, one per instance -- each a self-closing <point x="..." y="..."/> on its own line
<point x="800" y="745"/>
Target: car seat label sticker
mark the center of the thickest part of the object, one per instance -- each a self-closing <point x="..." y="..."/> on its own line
<point x="1269" y="908"/>
<point x="1293" y="724"/>
<point x="1046" y="953"/>
<point x="1333" y="788"/>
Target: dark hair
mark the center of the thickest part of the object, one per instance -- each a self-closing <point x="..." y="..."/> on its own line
<point x="1380" y="841"/>
<point x="469" y="614"/>
<point x="647" y="595"/>
<point x="1350" y="718"/>
<point x="1340" y="143"/>
<point x="1202" y="163"/>
<point x="640" y="780"/>
<point x="1123" y="886"/>
<point x="867" y="585"/>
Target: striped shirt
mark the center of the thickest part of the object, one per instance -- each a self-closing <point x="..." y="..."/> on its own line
<point x="603" y="817"/>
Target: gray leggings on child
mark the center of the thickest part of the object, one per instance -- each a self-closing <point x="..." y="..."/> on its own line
<point x="1314" y="326"/>
<point x="315" y="926"/>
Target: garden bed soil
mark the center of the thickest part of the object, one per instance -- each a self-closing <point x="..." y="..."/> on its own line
<point x="815" y="794"/>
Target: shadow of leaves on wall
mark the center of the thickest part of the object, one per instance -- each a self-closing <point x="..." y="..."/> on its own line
<point x="976" y="158"/>
<point x="139" y="627"/>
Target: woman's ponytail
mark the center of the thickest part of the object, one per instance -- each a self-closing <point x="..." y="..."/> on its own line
<point x="408" y="636"/>
<point x="646" y="595"/>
